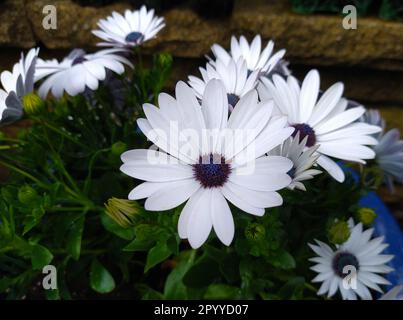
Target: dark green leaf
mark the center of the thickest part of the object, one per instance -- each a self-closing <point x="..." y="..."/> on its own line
<point x="40" y="256"/>
<point x="100" y="279"/>
<point x="157" y="254"/>
<point x="221" y="291"/>
<point x="74" y="237"/>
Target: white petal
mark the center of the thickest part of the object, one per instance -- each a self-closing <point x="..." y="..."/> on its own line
<point x="171" y="195"/>
<point x="223" y="223"/>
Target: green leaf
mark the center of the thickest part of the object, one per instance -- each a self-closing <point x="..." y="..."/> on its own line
<point x="40" y="256"/>
<point x="139" y="245"/>
<point x="74" y="237"/>
<point x="157" y="254"/>
<point x="202" y="273"/>
<point x="174" y="288"/>
<point x="33" y="219"/>
<point x="283" y="260"/>
<point x="100" y="279"/>
<point x="221" y="291"/>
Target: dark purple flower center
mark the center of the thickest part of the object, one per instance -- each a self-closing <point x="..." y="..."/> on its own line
<point x="134" y="37"/>
<point x="211" y="171"/>
<point x="342" y="260"/>
<point x="305" y="131"/>
<point x="232" y="100"/>
<point x="78" y="60"/>
<point x="291" y="173"/>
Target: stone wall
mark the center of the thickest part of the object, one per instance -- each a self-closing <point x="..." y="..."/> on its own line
<point x="369" y="60"/>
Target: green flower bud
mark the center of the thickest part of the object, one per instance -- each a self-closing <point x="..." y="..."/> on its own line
<point x="27" y="194"/>
<point x="118" y="148"/>
<point x="339" y="232"/>
<point x="366" y="216"/>
<point x="122" y="211"/>
<point x="164" y="60"/>
<point x="255" y="232"/>
<point x="32" y="104"/>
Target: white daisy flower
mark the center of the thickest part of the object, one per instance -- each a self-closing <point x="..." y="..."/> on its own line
<point x="16" y="85"/>
<point x="256" y="58"/>
<point x="77" y="71"/>
<point x="130" y="30"/>
<point x="353" y="267"/>
<point x="234" y="74"/>
<point x="389" y="150"/>
<point x="326" y="122"/>
<point x="229" y="166"/>
<point x="302" y="158"/>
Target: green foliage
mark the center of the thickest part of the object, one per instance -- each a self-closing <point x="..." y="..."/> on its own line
<point x="65" y="167"/>
<point x="391" y="10"/>
<point x="334" y="6"/>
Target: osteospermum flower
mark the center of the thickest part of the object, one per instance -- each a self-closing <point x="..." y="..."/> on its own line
<point x="233" y="73"/>
<point x="302" y="158"/>
<point x="256" y="58"/>
<point x="389" y="150"/>
<point x="325" y="122"/>
<point x="354" y="266"/>
<point x="129" y="30"/>
<point x="16" y="85"/>
<point x="230" y="165"/>
<point x="77" y="71"/>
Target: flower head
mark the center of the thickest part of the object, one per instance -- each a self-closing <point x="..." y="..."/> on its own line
<point x="325" y="122"/>
<point x="129" y="30"/>
<point x="302" y="158"/>
<point x="234" y="75"/>
<point x="16" y="85"/>
<point x="353" y="267"/>
<point x="256" y="58"/>
<point x="389" y="150"/>
<point x="206" y="158"/>
<point x="77" y="71"/>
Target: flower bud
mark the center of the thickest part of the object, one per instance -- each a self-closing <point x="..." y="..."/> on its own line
<point x="339" y="232"/>
<point x="27" y="194"/>
<point x="32" y="104"/>
<point x="118" y="148"/>
<point x="255" y="232"/>
<point x="366" y="216"/>
<point x="122" y="211"/>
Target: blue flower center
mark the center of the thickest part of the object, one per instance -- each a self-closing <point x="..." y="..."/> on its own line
<point x="78" y="60"/>
<point x="342" y="260"/>
<point x="232" y="100"/>
<point x="305" y="131"/>
<point x="291" y="173"/>
<point x="134" y="37"/>
<point x="211" y="171"/>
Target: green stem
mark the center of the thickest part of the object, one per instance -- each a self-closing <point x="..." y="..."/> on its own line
<point x="310" y="287"/>
<point x="141" y="74"/>
<point x="62" y="133"/>
<point x="25" y="174"/>
<point x="90" y="166"/>
<point x="8" y="147"/>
